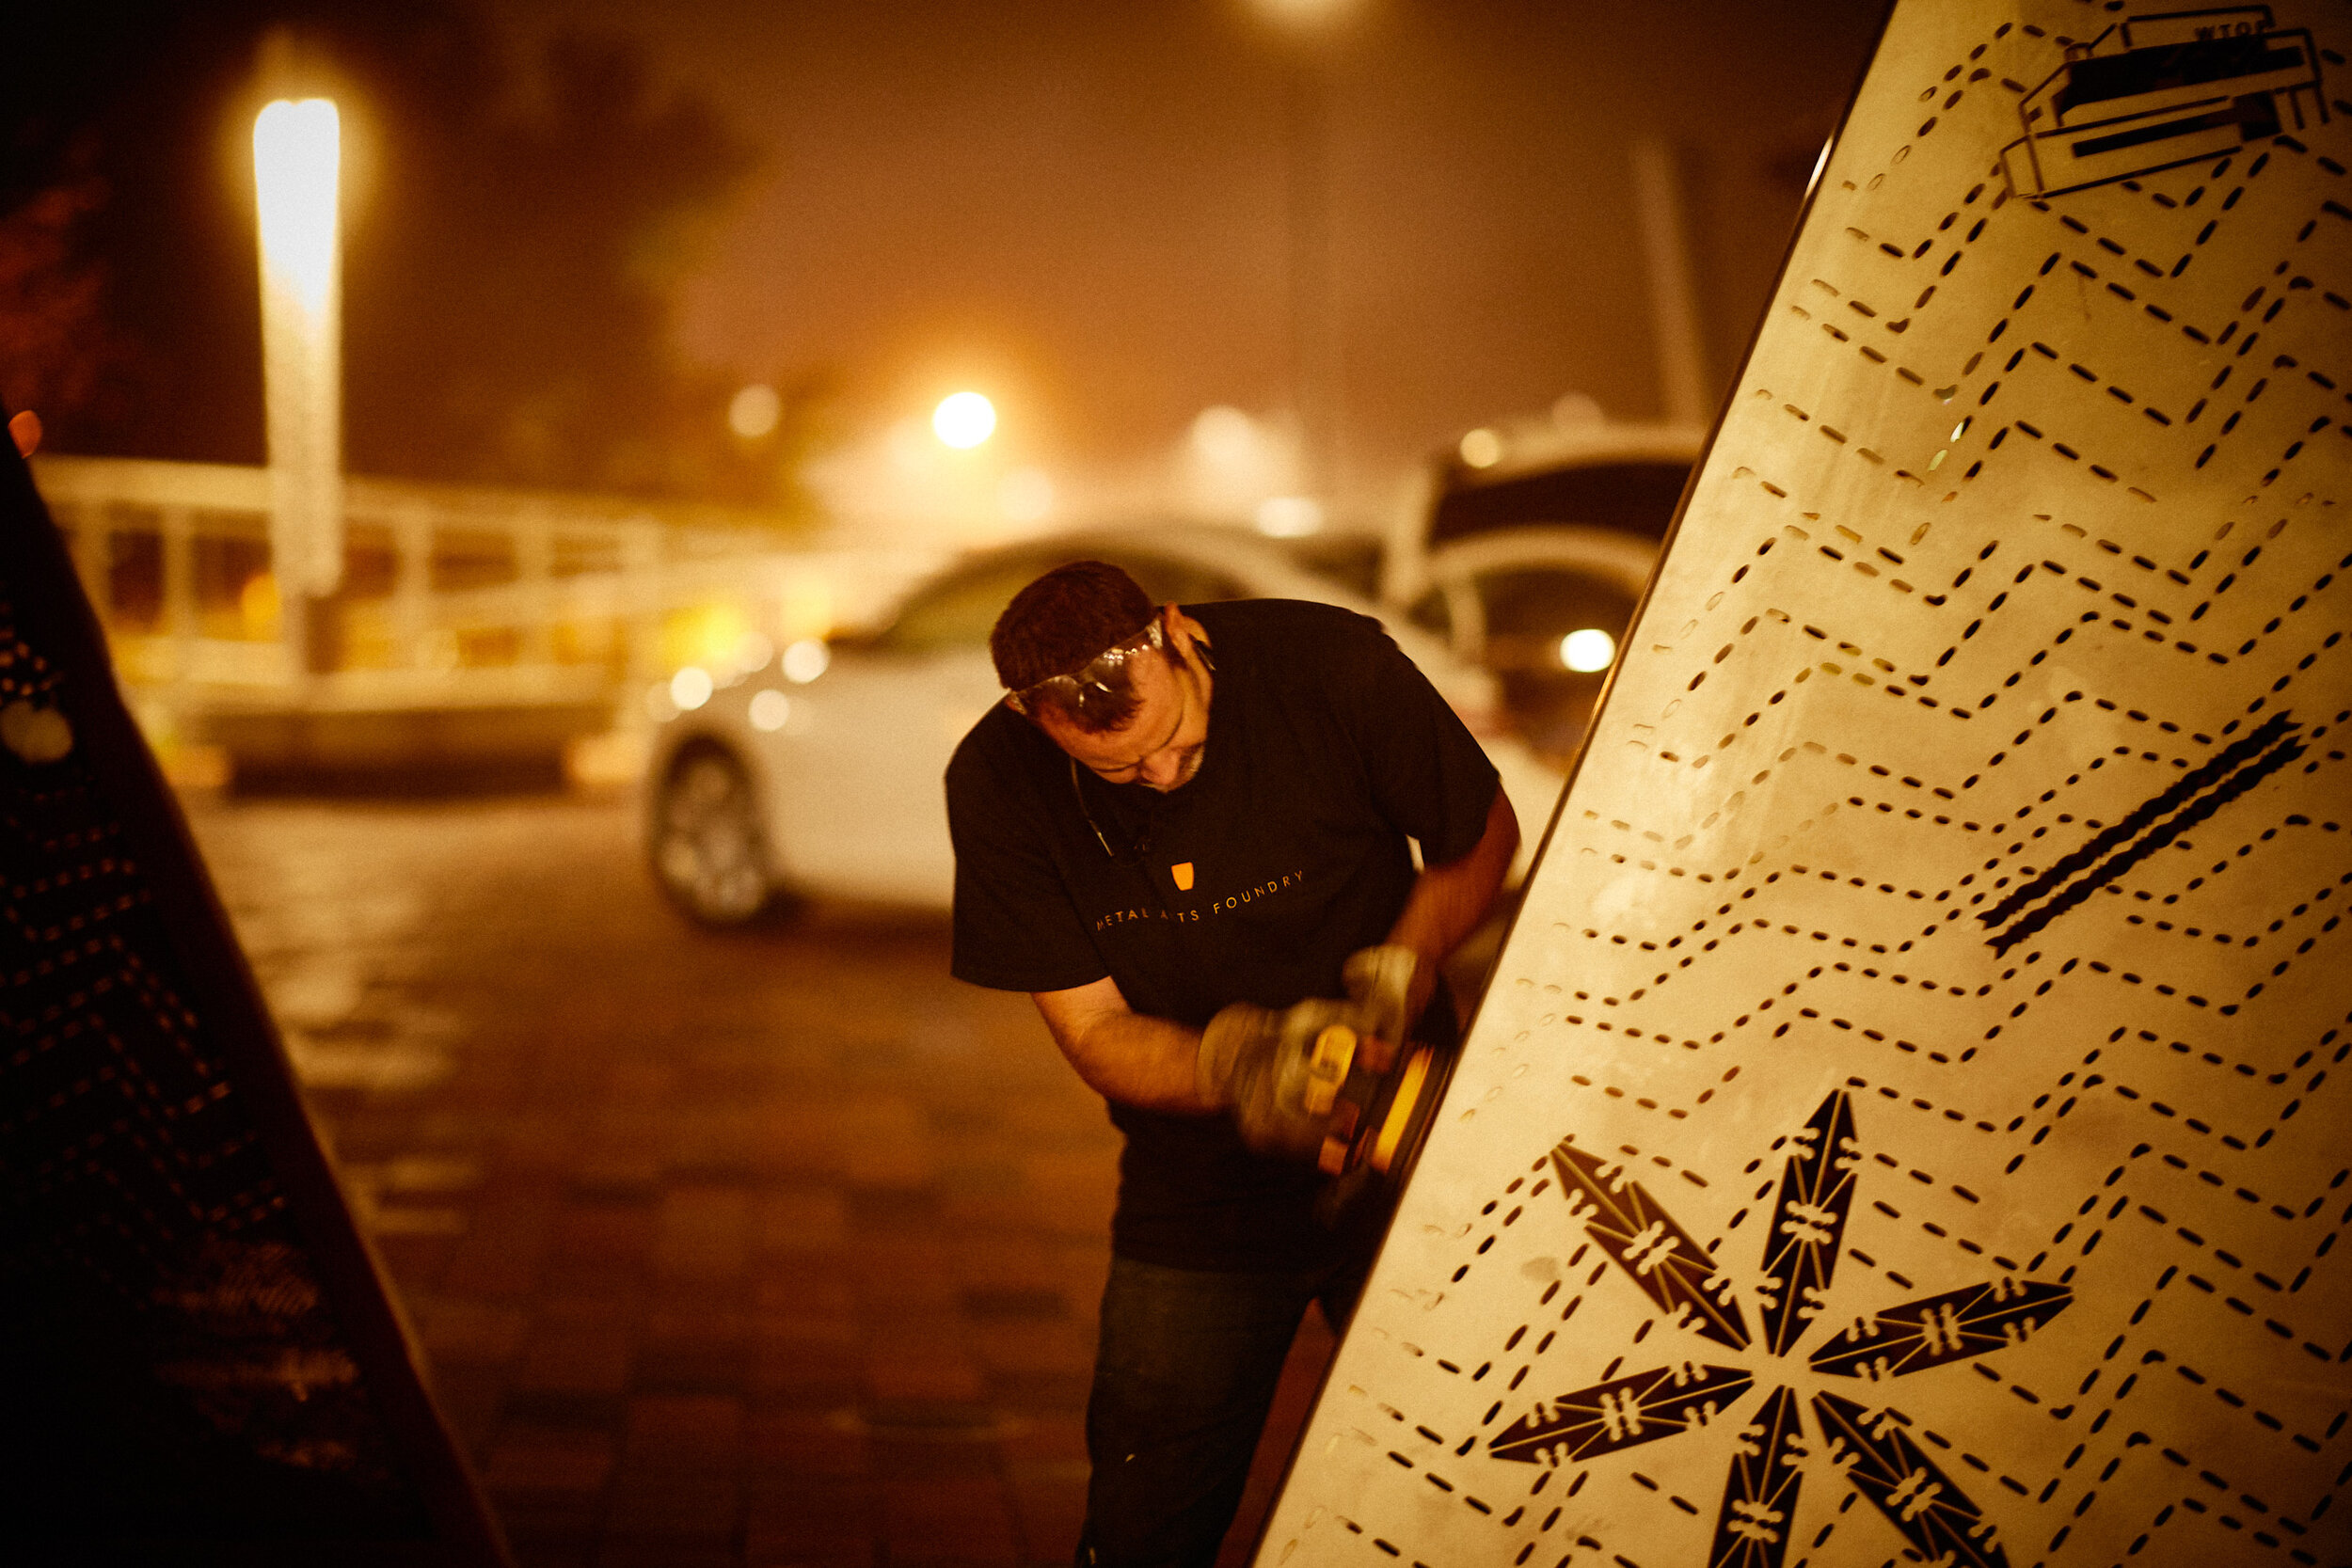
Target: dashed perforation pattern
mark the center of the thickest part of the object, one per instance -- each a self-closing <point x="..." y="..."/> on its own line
<point x="192" y="1354"/>
<point x="1908" y="1121"/>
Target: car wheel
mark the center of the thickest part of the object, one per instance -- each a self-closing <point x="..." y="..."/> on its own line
<point x="705" y="842"/>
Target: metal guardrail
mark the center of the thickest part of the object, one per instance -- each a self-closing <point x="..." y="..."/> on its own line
<point x="555" y="610"/>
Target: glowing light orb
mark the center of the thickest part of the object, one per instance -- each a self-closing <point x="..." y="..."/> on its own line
<point x="804" y="660"/>
<point x="1482" y="448"/>
<point x="965" y="420"/>
<point x="1305" y="13"/>
<point x="690" y="688"/>
<point x="754" y="411"/>
<point x="769" y="710"/>
<point x="1289" y="516"/>
<point x="1225" y="436"/>
<point x="297" y="161"/>
<point x="1588" y="650"/>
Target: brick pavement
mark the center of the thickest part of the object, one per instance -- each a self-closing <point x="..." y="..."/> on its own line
<point x="747" y="1250"/>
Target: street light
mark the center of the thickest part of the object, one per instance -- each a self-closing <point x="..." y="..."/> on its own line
<point x="1304" y="13"/>
<point x="298" y="151"/>
<point x="964" y="419"/>
<point x="1315" y="379"/>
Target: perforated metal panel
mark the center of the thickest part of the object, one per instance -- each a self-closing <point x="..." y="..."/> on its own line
<point x="198" y="1358"/>
<point x="1908" y="1124"/>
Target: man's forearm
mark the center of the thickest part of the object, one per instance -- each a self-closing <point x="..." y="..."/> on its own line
<point x="1447" y="902"/>
<point x="1154" y="1062"/>
<point x="1124" y="1055"/>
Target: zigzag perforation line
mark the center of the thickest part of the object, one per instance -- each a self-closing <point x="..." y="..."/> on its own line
<point x="1993" y="760"/>
<point x="1986" y="397"/>
<point x="2093" y="585"/>
<point x="2157" y="1107"/>
<point x="1865" y="454"/>
<point x="1468" y="1500"/>
<point x="2243" y="1070"/>
<point x="1889" y="674"/>
<point x="2318" y="1352"/>
<point x="2164" y="989"/>
<point x="2189" y="330"/>
<point x="2218" y="172"/>
<point x="1919" y="253"/>
<point x="1700" y="925"/>
<point x="2201" y="936"/>
<point x="1612" y="1091"/>
<point x="2123" y="1203"/>
<point x="1760" y="919"/>
<point x="1927" y="1107"/>
<point x="2294" y="606"/>
<point x="2165" y="1515"/>
<point x="2291" y="1216"/>
<point x="1791" y="987"/>
<point x="1840" y="966"/>
<point x="2280" y="968"/>
<point x="2121" y="1389"/>
<point x="1999" y="600"/>
<point x="1896" y="686"/>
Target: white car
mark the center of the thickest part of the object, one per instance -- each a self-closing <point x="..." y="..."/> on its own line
<point x="820" y="773"/>
<point x="1542" y="609"/>
<point x="1535" y="543"/>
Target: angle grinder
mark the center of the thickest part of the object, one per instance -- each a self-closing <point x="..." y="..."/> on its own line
<point x="1340" y="1083"/>
<point x="1379" y="1098"/>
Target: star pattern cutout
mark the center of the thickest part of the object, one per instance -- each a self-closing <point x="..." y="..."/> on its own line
<point x="1871" y="1449"/>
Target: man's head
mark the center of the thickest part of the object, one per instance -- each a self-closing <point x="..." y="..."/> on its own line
<point x="1110" y="679"/>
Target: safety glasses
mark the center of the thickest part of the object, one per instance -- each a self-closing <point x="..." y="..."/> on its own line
<point x="1106" y="681"/>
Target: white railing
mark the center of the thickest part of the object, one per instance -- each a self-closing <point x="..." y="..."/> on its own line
<point x="453" y="597"/>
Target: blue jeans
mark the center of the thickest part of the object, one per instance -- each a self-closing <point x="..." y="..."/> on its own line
<point x="1183" y="1374"/>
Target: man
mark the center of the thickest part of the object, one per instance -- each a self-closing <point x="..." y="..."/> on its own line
<point x="1173" y="823"/>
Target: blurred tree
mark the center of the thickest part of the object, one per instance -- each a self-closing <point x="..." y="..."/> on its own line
<point x="58" y="350"/>
<point x="57" y="347"/>
<point x="515" y="237"/>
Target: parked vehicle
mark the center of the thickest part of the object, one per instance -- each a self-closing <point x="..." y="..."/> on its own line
<point x="819" y="771"/>
<point x="1530" y="554"/>
<point x="1542" y="609"/>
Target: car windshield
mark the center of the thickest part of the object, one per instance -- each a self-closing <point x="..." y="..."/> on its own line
<point x="1635" y="497"/>
<point x="1551" y="633"/>
<point x="956" y="612"/>
<point x="1530" y="609"/>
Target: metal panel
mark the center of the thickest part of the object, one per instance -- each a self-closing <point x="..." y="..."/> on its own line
<point x="199" y="1358"/>
<point x="1908" y="1122"/>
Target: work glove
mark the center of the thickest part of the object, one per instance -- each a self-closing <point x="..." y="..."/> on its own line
<point x="1379" y="983"/>
<point x="1278" y="1070"/>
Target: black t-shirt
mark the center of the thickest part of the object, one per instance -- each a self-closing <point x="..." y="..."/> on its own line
<point x="1253" y="882"/>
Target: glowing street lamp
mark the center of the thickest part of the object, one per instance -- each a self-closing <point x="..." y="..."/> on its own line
<point x="1316" y="379"/>
<point x="297" y="149"/>
<point x="1588" y="650"/>
<point x="964" y="419"/>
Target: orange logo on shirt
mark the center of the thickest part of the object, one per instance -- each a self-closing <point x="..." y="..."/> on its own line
<point x="1182" y="873"/>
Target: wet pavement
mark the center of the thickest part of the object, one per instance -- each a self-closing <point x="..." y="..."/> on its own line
<point x="753" y="1249"/>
